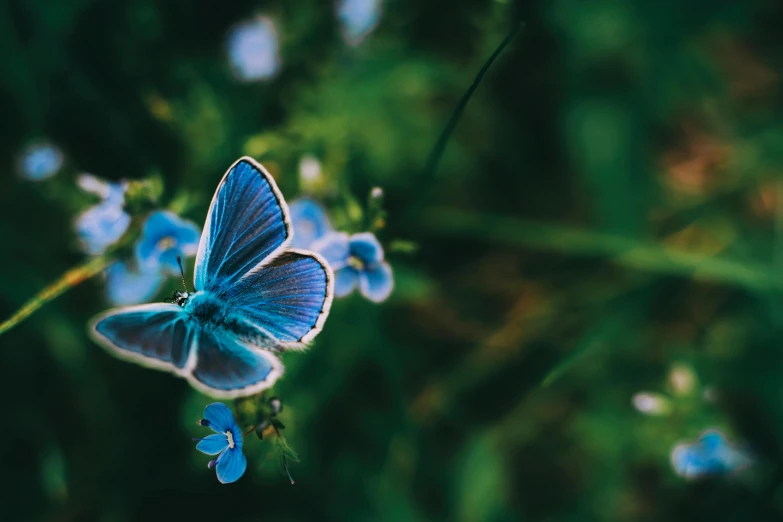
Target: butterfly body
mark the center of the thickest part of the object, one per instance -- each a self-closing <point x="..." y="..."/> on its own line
<point x="207" y="311"/>
<point x="255" y="297"/>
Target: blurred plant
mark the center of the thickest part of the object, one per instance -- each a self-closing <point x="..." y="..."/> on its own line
<point x="40" y="161"/>
<point x="358" y="18"/>
<point x="226" y="443"/>
<point x="710" y="455"/>
<point x="651" y="403"/>
<point x="271" y="423"/>
<point x="682" y="379"/>
<point x="252" y="50"/>
<point x="683" y="385"/>
<point x="103" y="224"/>
<point x="309" y="172"/>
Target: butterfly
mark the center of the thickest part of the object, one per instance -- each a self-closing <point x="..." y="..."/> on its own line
<point x="254" y="297"/>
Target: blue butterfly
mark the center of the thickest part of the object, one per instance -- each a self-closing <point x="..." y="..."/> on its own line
<point x="254" y="297"/>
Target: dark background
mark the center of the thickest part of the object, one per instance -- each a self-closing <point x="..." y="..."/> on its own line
<point x="609" y="208"/>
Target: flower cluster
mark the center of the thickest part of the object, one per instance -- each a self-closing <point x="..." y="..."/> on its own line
<point x="103" y="224"/>
<point x="357" y="259"/>
<point x="164" y="238"/>
<point x="710" y="455"/>
<point x="228" y="440"/>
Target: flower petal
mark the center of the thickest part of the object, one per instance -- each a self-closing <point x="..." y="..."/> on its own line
<point x="334" y="247"/>
<point x="40" y="161"/>
<point x="125" y="287"/>
<point x="100" y="226"/>
<point x="366" y="247"/>
<point x="187" y="235"/>
<point x="252" y="50"/>
<point x="685" y="462"/>
<point x="712" y="441"/>
<point x="310" y="222"/>
<point x="168" y="261"/>
<point x="358" y="18"/>
<point x="376" y="282"/>
<point x="146" y="252"/>
<point x="219" y="417"/>
<point x="345" y="280"/>
<point x="231" y="465"/>
<point x="164" y="237"/>
<point x="213" y="444"/>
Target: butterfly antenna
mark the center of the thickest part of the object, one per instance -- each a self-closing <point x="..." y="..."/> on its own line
<point x="182" y="272"/>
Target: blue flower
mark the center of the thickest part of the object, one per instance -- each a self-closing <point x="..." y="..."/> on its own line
<point x="40" y="161"/>
<point x="226" y="443"/>
<point x="252" y="50"/>
<point x="165" y="236"/>
<point x="358" y="18"/>
<point x="125" y="286"/>
<point x="309" y="221"/>
<point x="711" y="454"/>
<point x="357" y="261"/>
<point x="103" y="224"/>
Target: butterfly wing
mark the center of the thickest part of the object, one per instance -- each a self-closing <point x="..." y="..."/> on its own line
<point x="165" y="337"/>
<point x="158" y="335"/>
<point x="288" y="298"/>
<point x="228" y="367"/>
<point x="248" y="223"/>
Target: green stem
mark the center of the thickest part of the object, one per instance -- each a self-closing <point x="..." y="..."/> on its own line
<point x="634" y="254"/>
<point x="68" y="280"/>
<point x="440" y="145"/>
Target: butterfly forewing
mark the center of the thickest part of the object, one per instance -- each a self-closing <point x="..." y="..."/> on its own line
<point x="247" y="224"/>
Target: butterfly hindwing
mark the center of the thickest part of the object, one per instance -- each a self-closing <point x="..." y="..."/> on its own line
<point x="247" y="223"/>
<point x="288" y="298"/>
<point x="227" y="366"/>
<point x="159" y="335"/>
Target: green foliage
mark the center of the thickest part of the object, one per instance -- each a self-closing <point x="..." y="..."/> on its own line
<point x="606" y="219"/>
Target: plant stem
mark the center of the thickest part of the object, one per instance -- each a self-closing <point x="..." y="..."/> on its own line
<point x="68" y="280"/>
<point x="640" y="255"/>
<point x="440" y="145"/>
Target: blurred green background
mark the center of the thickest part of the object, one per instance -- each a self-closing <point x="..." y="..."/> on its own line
<point x="607" y="219"/>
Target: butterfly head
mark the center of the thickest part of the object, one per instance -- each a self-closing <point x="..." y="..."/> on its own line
<point x="180" y="298"/>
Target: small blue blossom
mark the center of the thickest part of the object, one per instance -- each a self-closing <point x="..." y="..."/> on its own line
<point x="125" y="286"/>
<point x="226" y="443"/>
<point x="357" y="261"/>
<point x="710" y="455"/>
<point x="164" y="237"/>
<point x="40" y="161"/>
<point x="252" y="50"/>
<point x="358" y="18"/>
<point x="103" y="224"/>
<point x="310" y="222"/>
